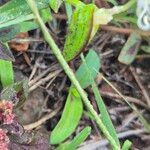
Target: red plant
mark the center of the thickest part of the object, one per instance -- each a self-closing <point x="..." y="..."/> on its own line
<point x="4" y="140"/>
<point x="6" y="112"/>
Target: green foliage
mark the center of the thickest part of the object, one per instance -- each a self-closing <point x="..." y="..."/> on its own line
<point x="130" y="49"/>
<point x="93" y="63"/>
<point x="55" y="4"/>
<point x="80" y="137"/>
<point x="127" y="145"/>
<point x="6" y="73"/>
<point x="73" y="107"/>
<point x="16" y="16"/>
<point x="69" y="11"/>
<point x="79" y="31"/>
<point x="45" y="14"/>
<point x="69" y="119"/>
<point x="102" y="108"/>
<point x="104" y="114"/>
<point x="18" y="8"/>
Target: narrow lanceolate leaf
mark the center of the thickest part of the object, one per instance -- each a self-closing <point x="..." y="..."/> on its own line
<point x="73" y="107"/>
<point x="79" y="139"/>
<point x="102" y="108"/>
<point x="130" y="49"/>
<point x="79" y="31"/>
<point x="5" y="52"/>
<point x="72" y="145"/>
<point x="6" y="73"/>
<point x="69" y="119"/>
<point x="18" y="8"/>
<point x="69" y="11"/>
<point x="104" y="113"/>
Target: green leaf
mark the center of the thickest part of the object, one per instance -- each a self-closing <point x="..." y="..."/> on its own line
<point x="79" y="31"/>
<point x="46" y="14"/>
<point x="146" y="48"/>
<point x="9" y="32"/>
<point x="130" y="49"/>
<point x="80" y="138"/>
<point x="55" y="4"/>
<point x="93" y="63"/>
<point x="69" y="119"/>
<point x="102" y="108"/>
<point x="104" y="113"/>
<point x="126" y="145"/>
<point x="114" y="2"/>
<point x="31" y="25"/>
<point x="18" y="9"/>
<point x="68" y="124"/>
<point x="16" y="92"/>
<point x="6" y="73"/>
<point x="69" y="11"/>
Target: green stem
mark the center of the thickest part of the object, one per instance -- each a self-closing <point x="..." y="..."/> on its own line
<point x="123" y="8"/>
<point x="70" y="73"/>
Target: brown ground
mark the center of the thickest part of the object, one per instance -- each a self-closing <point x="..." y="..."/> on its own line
<point x="48" y="92"/>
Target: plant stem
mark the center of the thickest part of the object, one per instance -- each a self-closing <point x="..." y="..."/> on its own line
<point x="70" y="73"/>
<point x="123" y="8"/>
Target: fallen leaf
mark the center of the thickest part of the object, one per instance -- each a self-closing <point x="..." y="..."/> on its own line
<point x="20" y="46"/>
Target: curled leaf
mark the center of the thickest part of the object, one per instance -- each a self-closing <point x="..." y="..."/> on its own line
<point x="79" y="31"/>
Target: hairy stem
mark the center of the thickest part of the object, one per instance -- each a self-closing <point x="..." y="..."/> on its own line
<point x="70" y="73"/>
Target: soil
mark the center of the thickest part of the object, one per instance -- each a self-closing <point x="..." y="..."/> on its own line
<point x="48" y="93"/>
